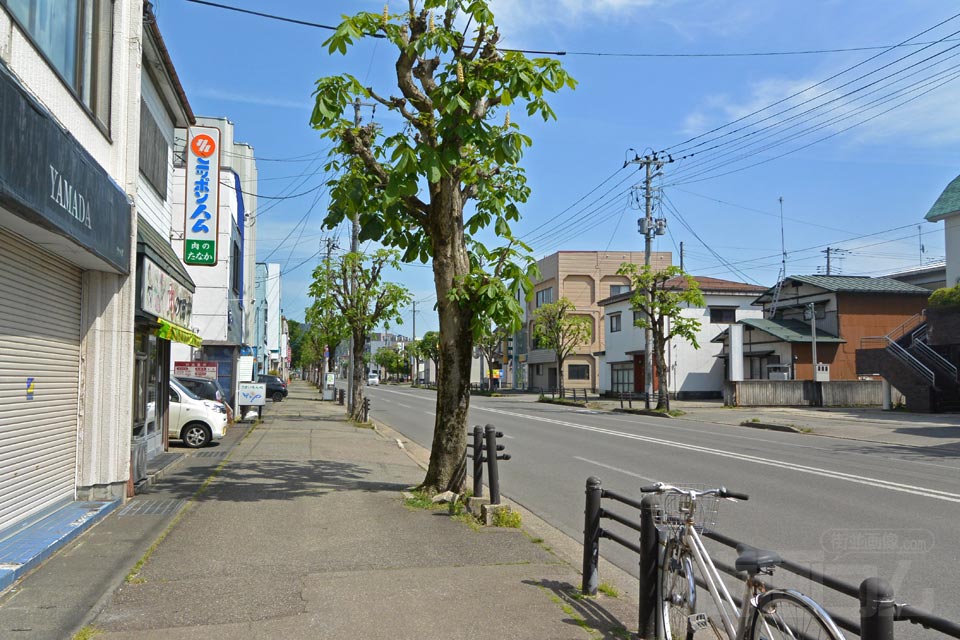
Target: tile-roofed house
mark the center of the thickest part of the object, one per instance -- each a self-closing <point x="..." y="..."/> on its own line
<point x="847" y="309"/>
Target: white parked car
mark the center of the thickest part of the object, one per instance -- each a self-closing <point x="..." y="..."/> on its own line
<point x="195" y="421"/>
<point x="373" y="379"/>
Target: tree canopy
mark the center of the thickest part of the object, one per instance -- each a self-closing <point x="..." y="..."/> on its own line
<point x="556" y="326"/>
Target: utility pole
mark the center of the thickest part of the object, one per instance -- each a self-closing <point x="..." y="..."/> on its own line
<point x="813" y="338"/>
<point x="649" y="227"/>
<point x="326" y="358"/>
<point x="681" y="257"/>
<point x="416" y="362"/>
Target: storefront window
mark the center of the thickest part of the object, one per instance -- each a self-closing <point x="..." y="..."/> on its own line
<point x="146" y="386"/>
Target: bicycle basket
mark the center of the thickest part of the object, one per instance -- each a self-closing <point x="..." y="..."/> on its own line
<point x="675" y="508"/>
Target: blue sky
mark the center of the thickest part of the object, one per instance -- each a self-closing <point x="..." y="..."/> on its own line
<point x="875" y="177"/>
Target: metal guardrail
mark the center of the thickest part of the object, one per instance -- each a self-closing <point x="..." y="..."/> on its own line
<point x="878" y="607"/>
<point x="908" y="326"/>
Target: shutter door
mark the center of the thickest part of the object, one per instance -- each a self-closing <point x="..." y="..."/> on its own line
<point x="39" y="340"/>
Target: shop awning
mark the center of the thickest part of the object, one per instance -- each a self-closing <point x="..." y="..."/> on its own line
<point x="176" y="333"/>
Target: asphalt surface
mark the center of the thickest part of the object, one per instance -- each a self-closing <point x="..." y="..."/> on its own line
<point x="850" y="508"/>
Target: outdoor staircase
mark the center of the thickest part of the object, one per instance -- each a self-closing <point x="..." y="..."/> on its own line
<point x="930" y="381"/>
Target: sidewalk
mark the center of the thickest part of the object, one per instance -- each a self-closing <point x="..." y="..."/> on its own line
<point x="304" y="534"/>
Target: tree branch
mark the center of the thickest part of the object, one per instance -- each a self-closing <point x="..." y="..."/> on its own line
<point x="397" y="104"/>
<point x="360" y="142"/>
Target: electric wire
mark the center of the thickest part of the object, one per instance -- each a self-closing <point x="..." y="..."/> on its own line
<point x="682" y="148"/>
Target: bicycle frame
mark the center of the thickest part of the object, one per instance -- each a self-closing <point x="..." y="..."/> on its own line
<point x="734" y="620"/>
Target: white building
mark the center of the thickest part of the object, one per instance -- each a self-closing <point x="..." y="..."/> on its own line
<point x="274" y="313"/>
<point x="947" y="208"/>
<point x="72" y="74"/>
<point x="224" y="294"/>
<point x="694" y="373"/>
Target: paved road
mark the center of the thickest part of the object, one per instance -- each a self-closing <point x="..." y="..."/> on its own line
<point x="853" y="508"/>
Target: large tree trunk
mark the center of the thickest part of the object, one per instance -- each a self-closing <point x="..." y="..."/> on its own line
<point x="663" y="397"/>
<point x="447" y="470"/>
<point x="359" y="377"/>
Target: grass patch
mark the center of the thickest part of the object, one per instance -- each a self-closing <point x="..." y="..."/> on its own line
<point x="506" y="519"/>
<point x="754" y="419"/>
<point x="536" y="540"/>
<point x="608" y="589"/>
<point x="562" y="401"/>
<point x="422" y="500"/>
<point x="469" y="520"/>
<point x="577" y="618"/>
<point x="87" y="633"/>
<point x="362" y="425"/>
<point x="620" y="632"/>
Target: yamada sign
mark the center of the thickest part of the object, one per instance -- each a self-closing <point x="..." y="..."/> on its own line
<point x="202" y="215"/>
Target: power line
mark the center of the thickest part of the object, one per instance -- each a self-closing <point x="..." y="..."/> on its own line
<point x="606" y="54"/>
<point x="798" y="93"/>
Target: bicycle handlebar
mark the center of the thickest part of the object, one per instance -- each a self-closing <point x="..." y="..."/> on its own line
<point x="721" y="492"/>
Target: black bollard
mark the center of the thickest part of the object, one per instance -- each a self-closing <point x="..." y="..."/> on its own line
<point x="877" y="609"/>
<point x="591" y="538"/>
<point x="650" y="507"/>
<point x="478" y="461"/>
<point x="494" y="475"/>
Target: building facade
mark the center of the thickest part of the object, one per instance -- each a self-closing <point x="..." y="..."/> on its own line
<point x="223" y="292"/>
<point x="585" y="278"/>
<point x="694" y="372"/>
<point x="73" y="94"/>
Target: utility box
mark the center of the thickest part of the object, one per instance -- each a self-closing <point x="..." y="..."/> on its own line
<point x="821" y="373"/>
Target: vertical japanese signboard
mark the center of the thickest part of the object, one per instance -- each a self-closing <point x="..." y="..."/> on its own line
<point x="202" y="215"/>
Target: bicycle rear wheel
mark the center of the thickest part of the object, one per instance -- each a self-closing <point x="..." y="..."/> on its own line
<point x="677" y="593"/>
<point x="789" y="615"/>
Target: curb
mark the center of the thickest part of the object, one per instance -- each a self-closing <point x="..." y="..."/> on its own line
<point x="642" y="412"/>
<point x="770" y="426"/>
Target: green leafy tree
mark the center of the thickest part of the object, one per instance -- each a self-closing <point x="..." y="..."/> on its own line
<point x="326" y="329"/>
<point x="392" y="359"/>
<point x="430" y="348"/>
<point x="410" y="187"/>
<point x="660" y="297"/>
<point x="556" y="326"/>
<point x="352" y="285"/>
<point x="297" y="331"/>
<point x="490" y="346"/>
<point x="412" y="350"/>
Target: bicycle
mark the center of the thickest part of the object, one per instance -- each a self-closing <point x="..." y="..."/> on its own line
<point x="767" y="614"/>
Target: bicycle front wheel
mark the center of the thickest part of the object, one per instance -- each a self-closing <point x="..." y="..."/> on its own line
<point x="789" y="615"/>
<point x="677" y="593"/>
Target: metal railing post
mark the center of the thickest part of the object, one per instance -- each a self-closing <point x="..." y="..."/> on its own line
<point x="877" y="609"/>
<point x="650" y="506"/>
<point x="478" y="461"/>
<point x="492" y="472"/>
<point x="591" y="538"/>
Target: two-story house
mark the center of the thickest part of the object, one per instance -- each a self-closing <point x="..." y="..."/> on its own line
<point x="693" y="372"/>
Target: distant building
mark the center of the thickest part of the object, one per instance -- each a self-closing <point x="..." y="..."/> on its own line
<point x="585" y="278"/>
<point x="930" y="276"/>
<point x="947" y="208"/>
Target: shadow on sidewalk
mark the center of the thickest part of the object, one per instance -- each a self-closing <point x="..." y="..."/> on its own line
<point x="264" y="480"/>
<point x="594" y="614"/>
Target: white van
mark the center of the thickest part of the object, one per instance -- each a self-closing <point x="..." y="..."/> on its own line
<point x="194" y="420"/>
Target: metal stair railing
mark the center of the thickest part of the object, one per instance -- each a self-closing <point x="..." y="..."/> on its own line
<point x="906" y="358"/>
<point x="908" y="326"/>
<point x="938" y="360"/>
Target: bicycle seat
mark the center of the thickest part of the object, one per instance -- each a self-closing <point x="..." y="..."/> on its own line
<point x="753" y="560"/>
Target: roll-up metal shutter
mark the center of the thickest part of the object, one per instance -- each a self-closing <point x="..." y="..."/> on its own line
<point x="39" y="378"/>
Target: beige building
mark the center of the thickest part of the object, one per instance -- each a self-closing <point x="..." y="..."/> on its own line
<point x="584" y="278"/>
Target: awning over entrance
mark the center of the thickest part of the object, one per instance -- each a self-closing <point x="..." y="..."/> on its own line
<point x="176" y="333"/>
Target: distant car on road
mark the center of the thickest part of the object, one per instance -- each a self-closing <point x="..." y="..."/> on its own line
<point x="373" y="379"/>
<point x="276" y="387"/>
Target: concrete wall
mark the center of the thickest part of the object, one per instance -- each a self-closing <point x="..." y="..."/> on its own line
<point x="802" y="393"/>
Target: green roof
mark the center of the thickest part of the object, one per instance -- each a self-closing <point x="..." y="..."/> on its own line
<point x="850" y="284"/>
<point x="789" y="330"/>
<point x="947" y="204"/>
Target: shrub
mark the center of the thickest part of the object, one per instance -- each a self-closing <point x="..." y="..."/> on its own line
<point x="946" y="297"/>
